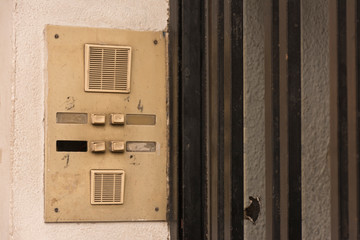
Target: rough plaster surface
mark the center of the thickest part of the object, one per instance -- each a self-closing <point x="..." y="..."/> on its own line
<point x="29" y="20"/>
<point x="315" y="120"/>
<point x="6" y="116"/>
<point x="254" y="113"/>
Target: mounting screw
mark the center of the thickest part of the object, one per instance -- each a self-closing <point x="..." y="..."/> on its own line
<point x="155" y="42"/>
<point x="156" y="209"/>
<point x="56" y="210"/>
<point x="56" y="36"/>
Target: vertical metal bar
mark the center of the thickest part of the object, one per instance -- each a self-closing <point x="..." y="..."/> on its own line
<point x="290" y="119"/>
<point x="357" y="47"/>
<point x="334" y="129"/>
<point x="216" y="54"/>
<point x="342" y="120"/>
<point x="272" y="144"/>
<point x="294" y="118"/>
<point x="220" y="97"/>
<point x="269" y="125"/>
<point x="173" y="55"/>
<point x="221" y="107"/>
<point x="351" y="37"/>
<point x="213" y="112"/>
<point x="227" y="119"/>
<point x="207" y="117"/>
<point x="206" y="122"/>
<point x="237" y="121"/>
<point x="284" y="154"/>
<point x="339" y="119"/>
<point x="192" y="68"/>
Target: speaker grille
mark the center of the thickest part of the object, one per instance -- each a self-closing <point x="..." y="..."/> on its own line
<point x="107" y="186"/>
<point x="107" y="68"/>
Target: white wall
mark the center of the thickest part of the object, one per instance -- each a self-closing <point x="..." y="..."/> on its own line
<point x="6" y="116"/>
<point x="29" y="20"/>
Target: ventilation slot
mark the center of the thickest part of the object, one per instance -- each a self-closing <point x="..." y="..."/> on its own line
<point x="107" y="186"/>
<point x="107" y="68"/>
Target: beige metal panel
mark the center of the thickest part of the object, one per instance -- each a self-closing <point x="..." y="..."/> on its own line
<point x="68" y="174"/>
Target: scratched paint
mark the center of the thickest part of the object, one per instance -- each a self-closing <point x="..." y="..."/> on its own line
<point x="141" y="146"/>
<point x="69" y="103"/>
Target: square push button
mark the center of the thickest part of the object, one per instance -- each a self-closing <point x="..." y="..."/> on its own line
<point x="97" y="147"/>
<point x="98" y="119"/>
<point x="117" y="146"/>
<point x="117" y="119"/>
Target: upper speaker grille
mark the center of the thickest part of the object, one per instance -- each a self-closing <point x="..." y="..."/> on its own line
<point x="107" y="186"/>
<point x="107" y="68"/>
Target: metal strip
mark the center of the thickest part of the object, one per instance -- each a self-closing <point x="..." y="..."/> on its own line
<point x="357" y="46"/>
<point x="206" y="128"/>
<point x="191" y="119"/>
<point x="173" y="108"/>
<point x="339" y="119"/>
<point x="214" y="120"/>
<point x="225" y="105"/>
<point x="290" y="119"/>
<point x="272" y="131"/>
<point x="174" y="169"/>
<point x="227" y="119"/>
<point x="353" y="197"/>
<point x="294" y="118"/>
<point x="334" y="153"/>
<point x="284" y="137"/>
<point x="214" y="131"/>
<point x="220" y="97"/>
<point x="237" y="121"/>
<point x="342" y="121"/>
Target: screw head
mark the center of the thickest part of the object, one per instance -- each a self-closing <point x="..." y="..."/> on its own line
<point x="155" y="42"/>
<point x="56" y="36"/>
<point x="56" y="210"/>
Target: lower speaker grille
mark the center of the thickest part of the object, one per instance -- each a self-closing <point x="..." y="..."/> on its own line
<point x="107" y="186"/>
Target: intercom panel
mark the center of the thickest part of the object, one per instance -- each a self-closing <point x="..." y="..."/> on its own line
<point x="106" y="125"/>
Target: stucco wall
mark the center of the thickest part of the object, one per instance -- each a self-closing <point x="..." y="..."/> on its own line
<point x="6" y="116"/>
<point x="315" y="120"/>
<point x="254" y="119"/>
<point x="29" y="20"/>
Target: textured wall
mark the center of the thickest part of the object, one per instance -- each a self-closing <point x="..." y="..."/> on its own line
<point x="30" y="18"/>
<point x="6" y="116"/>
<point x="254" y="113"/>
<point x="315" y="120"/>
